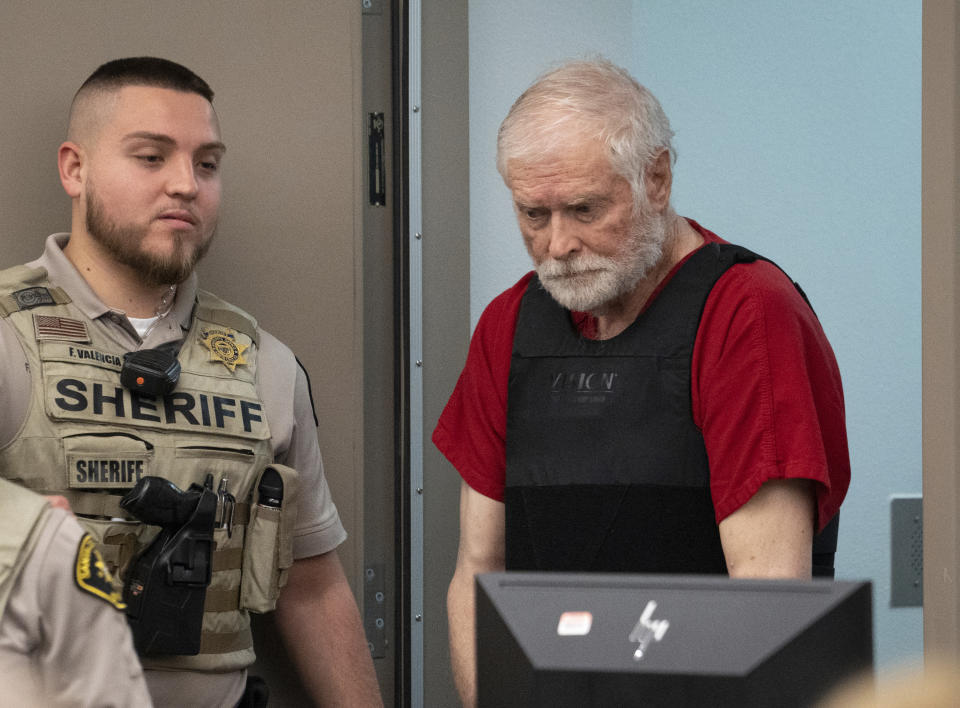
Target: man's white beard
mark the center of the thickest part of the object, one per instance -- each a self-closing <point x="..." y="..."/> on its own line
<point x="590" y="283"/>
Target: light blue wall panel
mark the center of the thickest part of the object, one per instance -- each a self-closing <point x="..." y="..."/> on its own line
<point x="511" y="43"/>
<point x="798" y="132"/>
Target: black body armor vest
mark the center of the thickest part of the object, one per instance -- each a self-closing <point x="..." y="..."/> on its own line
<point x="606" y="470"/>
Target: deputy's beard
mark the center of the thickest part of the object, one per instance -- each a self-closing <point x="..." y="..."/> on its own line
<point x="125" y="244"/>
<point x="590" y="283"/>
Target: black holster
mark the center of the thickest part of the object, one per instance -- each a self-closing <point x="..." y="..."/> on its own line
<point x="166" y="583"/>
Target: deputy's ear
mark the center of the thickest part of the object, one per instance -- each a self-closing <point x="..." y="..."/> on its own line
<point x="658" y="181"/>
<point x="70" y="163"/>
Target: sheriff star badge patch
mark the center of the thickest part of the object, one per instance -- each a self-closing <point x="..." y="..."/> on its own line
<point x="223" y="347"/>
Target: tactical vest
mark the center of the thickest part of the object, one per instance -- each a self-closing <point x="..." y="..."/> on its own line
<point x="606" y="470"/>
<point x="90" y="439"/>
<point x="20" y="522"/>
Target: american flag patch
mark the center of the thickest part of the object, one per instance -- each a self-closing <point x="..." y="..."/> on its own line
<point x="62" y="328"/>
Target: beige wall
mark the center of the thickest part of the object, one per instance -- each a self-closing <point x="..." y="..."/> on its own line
<point x="287" y="80"/>
<point x="941" y="335"/>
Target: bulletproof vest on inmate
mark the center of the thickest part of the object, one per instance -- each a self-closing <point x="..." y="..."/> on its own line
<point x="90" y="439"/>
<point x="606" y="470"/>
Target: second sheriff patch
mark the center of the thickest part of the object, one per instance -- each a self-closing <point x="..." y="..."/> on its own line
<point x="224" y="347"/>
<point x="92" y="575"/>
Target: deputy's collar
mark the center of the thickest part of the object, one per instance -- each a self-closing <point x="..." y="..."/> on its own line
<point x="63" y="273"/>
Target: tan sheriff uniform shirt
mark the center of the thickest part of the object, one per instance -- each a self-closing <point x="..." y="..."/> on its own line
<point x="61" y="642"/>
<point x="289" y="411"/>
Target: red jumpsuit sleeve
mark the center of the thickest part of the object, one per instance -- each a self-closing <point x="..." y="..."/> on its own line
<point x="472" y="429"/>
<point x="766" y="392"/>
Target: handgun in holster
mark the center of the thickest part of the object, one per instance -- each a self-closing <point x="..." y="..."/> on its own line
<point x="166" y="583"/>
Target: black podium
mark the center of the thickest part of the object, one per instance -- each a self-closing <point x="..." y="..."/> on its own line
<point x="575" y="639"/>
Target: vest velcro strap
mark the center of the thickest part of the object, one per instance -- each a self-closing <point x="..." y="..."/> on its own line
<point x="118" y="549"/>
<point x="94" y="504"/>
<point x="8" y="305"/>
<point x="222" y="600"/>
<point x="227" y="559"/>
<point x="225" y="642"/>
<point x="59" y="296"/>
<point x="111" y="556"/>
<point x="238" y="516"/>
<point x="241" y="514"/>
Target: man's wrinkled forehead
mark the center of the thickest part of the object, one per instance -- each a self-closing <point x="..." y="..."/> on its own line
<point x="555" y="146"/>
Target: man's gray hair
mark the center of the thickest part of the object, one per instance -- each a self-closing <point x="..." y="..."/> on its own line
<point x="587" y="99"/>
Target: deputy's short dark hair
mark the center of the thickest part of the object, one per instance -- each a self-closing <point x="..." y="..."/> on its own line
<point x="147" y="71"/>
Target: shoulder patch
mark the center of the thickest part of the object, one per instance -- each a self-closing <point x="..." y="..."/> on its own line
<point x="92" y="575"/>
<point x="28" y="298"/>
